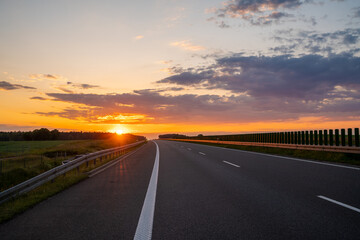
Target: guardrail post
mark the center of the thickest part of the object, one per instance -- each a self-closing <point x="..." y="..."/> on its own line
<point x="326" y="137"/>
<point x="350" y="137"/>
<point x="302" y="137"/>
<point x="315" y="137"/>
<point x="292" y="137"/>
<point x="331" y="137"/>
<point x="311" y="138"/>
<point x="337" y="137"/>
<point x="357" y="137"/>
<point x="320" y="137"/>
<point x="296" y="138"/>
<point x="299" y="137"/>
<point x="307" y="137"/>
<point x="343" y="137"/>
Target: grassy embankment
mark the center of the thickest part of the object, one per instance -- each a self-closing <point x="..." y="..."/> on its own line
<point x="20" y="204"/>
<point x="336" y="157"/>
<point x="23" y="160"/>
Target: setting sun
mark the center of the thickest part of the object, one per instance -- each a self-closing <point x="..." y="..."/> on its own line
<point x="119" y="131"/>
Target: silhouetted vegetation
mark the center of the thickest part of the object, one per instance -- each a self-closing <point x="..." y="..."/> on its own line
<point x="45" y="134"/>
<point x="174" y="136"/>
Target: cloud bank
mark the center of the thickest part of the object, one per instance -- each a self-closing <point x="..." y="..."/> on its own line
<point x="9" y="86"/>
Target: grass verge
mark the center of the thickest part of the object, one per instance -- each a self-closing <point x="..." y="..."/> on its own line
<point x="334" y="157"/>
<point x="18" y="205"/>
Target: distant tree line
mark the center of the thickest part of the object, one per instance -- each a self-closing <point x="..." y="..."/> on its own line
<point x="173" y="135"/>
<point x="44" y="134"/>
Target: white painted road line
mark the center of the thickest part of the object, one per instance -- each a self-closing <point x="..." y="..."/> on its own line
<point x="231" y="164"/>
<point x="202" y="153"/>
<point x="340" y="203"/>
<point x="189" y="149"/>
<point x="145" y="224"/>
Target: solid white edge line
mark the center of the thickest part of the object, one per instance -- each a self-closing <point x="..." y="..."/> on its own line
<point x="145" y="224"/>
<point x="231" y="164"/>
<point x="289" y="158"/>
<point x="340" y="203"/>
<point x="202" y="153"/>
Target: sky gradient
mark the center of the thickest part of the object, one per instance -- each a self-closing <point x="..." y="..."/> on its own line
<point x="150" y="67"/>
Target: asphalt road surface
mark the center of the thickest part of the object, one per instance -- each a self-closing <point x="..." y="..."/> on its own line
<point x="175" y="190"/>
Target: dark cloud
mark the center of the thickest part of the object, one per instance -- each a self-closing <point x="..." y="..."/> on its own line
<point x="312" y="42"/>
<point x="356" y="12"/>
<point x="308" y="77"/>
<point x="9" y="86"/>
<point x="258" y="12"/>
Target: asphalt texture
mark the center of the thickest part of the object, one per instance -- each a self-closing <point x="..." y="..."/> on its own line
<point x="203" y="192"/>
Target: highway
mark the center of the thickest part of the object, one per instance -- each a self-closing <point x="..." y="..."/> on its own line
<point x="178" y="190"/>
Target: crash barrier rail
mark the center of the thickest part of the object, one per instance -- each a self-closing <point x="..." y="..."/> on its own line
<point x="47" y="176"/>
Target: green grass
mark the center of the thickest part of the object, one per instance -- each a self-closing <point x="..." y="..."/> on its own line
<point x="22" y="160"/>
<point x="18" y="205"/>
<point x="345" y="158"/>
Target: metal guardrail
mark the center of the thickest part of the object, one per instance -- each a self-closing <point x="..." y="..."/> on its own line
<point x="47" y="176"/>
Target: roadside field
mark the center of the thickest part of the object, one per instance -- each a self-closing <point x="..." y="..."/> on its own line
<point x="21" y="160"/>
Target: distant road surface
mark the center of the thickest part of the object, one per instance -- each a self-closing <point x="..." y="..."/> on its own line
<point x="193" y="191"/>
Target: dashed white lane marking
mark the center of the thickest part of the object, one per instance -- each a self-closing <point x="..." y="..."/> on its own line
<point x="231" y="164"/>
<point x="340" y="203"/>
<point x="189" y="149"/>
<point x="202" y="153"/>
<point x="290" y="158"/>
<point x="145" y="224"/>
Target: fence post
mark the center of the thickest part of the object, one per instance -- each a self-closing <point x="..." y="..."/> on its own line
<point x="357" y="140"/>
<point x="296" y="138"/>
<point x="302" y="137"/>
<point x="326" y="137"/>
<point x="331" y="137"/>
<point x="311" y="137"/>
<point x="315" y="137"/>
<point x="307" y="137"/>
<point x="283" y="138"/>
<point x="350" y="137"/>
<point x="337" y="137"/>
<point x="299" y="137"/>
<point x="320" y="137"/>
<point x="343" y="137"/>
<point x="292" y="137"/>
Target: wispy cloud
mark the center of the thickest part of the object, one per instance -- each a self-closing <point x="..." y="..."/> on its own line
<point x="313" y="42"/>
<point x="10" y="86"/>
<point x="139" y="37"/>
<point x="39" y="98"/>
<point x="259" y="12"/>
<point x="187" y="45"/>
<point x="45" y="76"/>
<point x="82" y="85"/>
